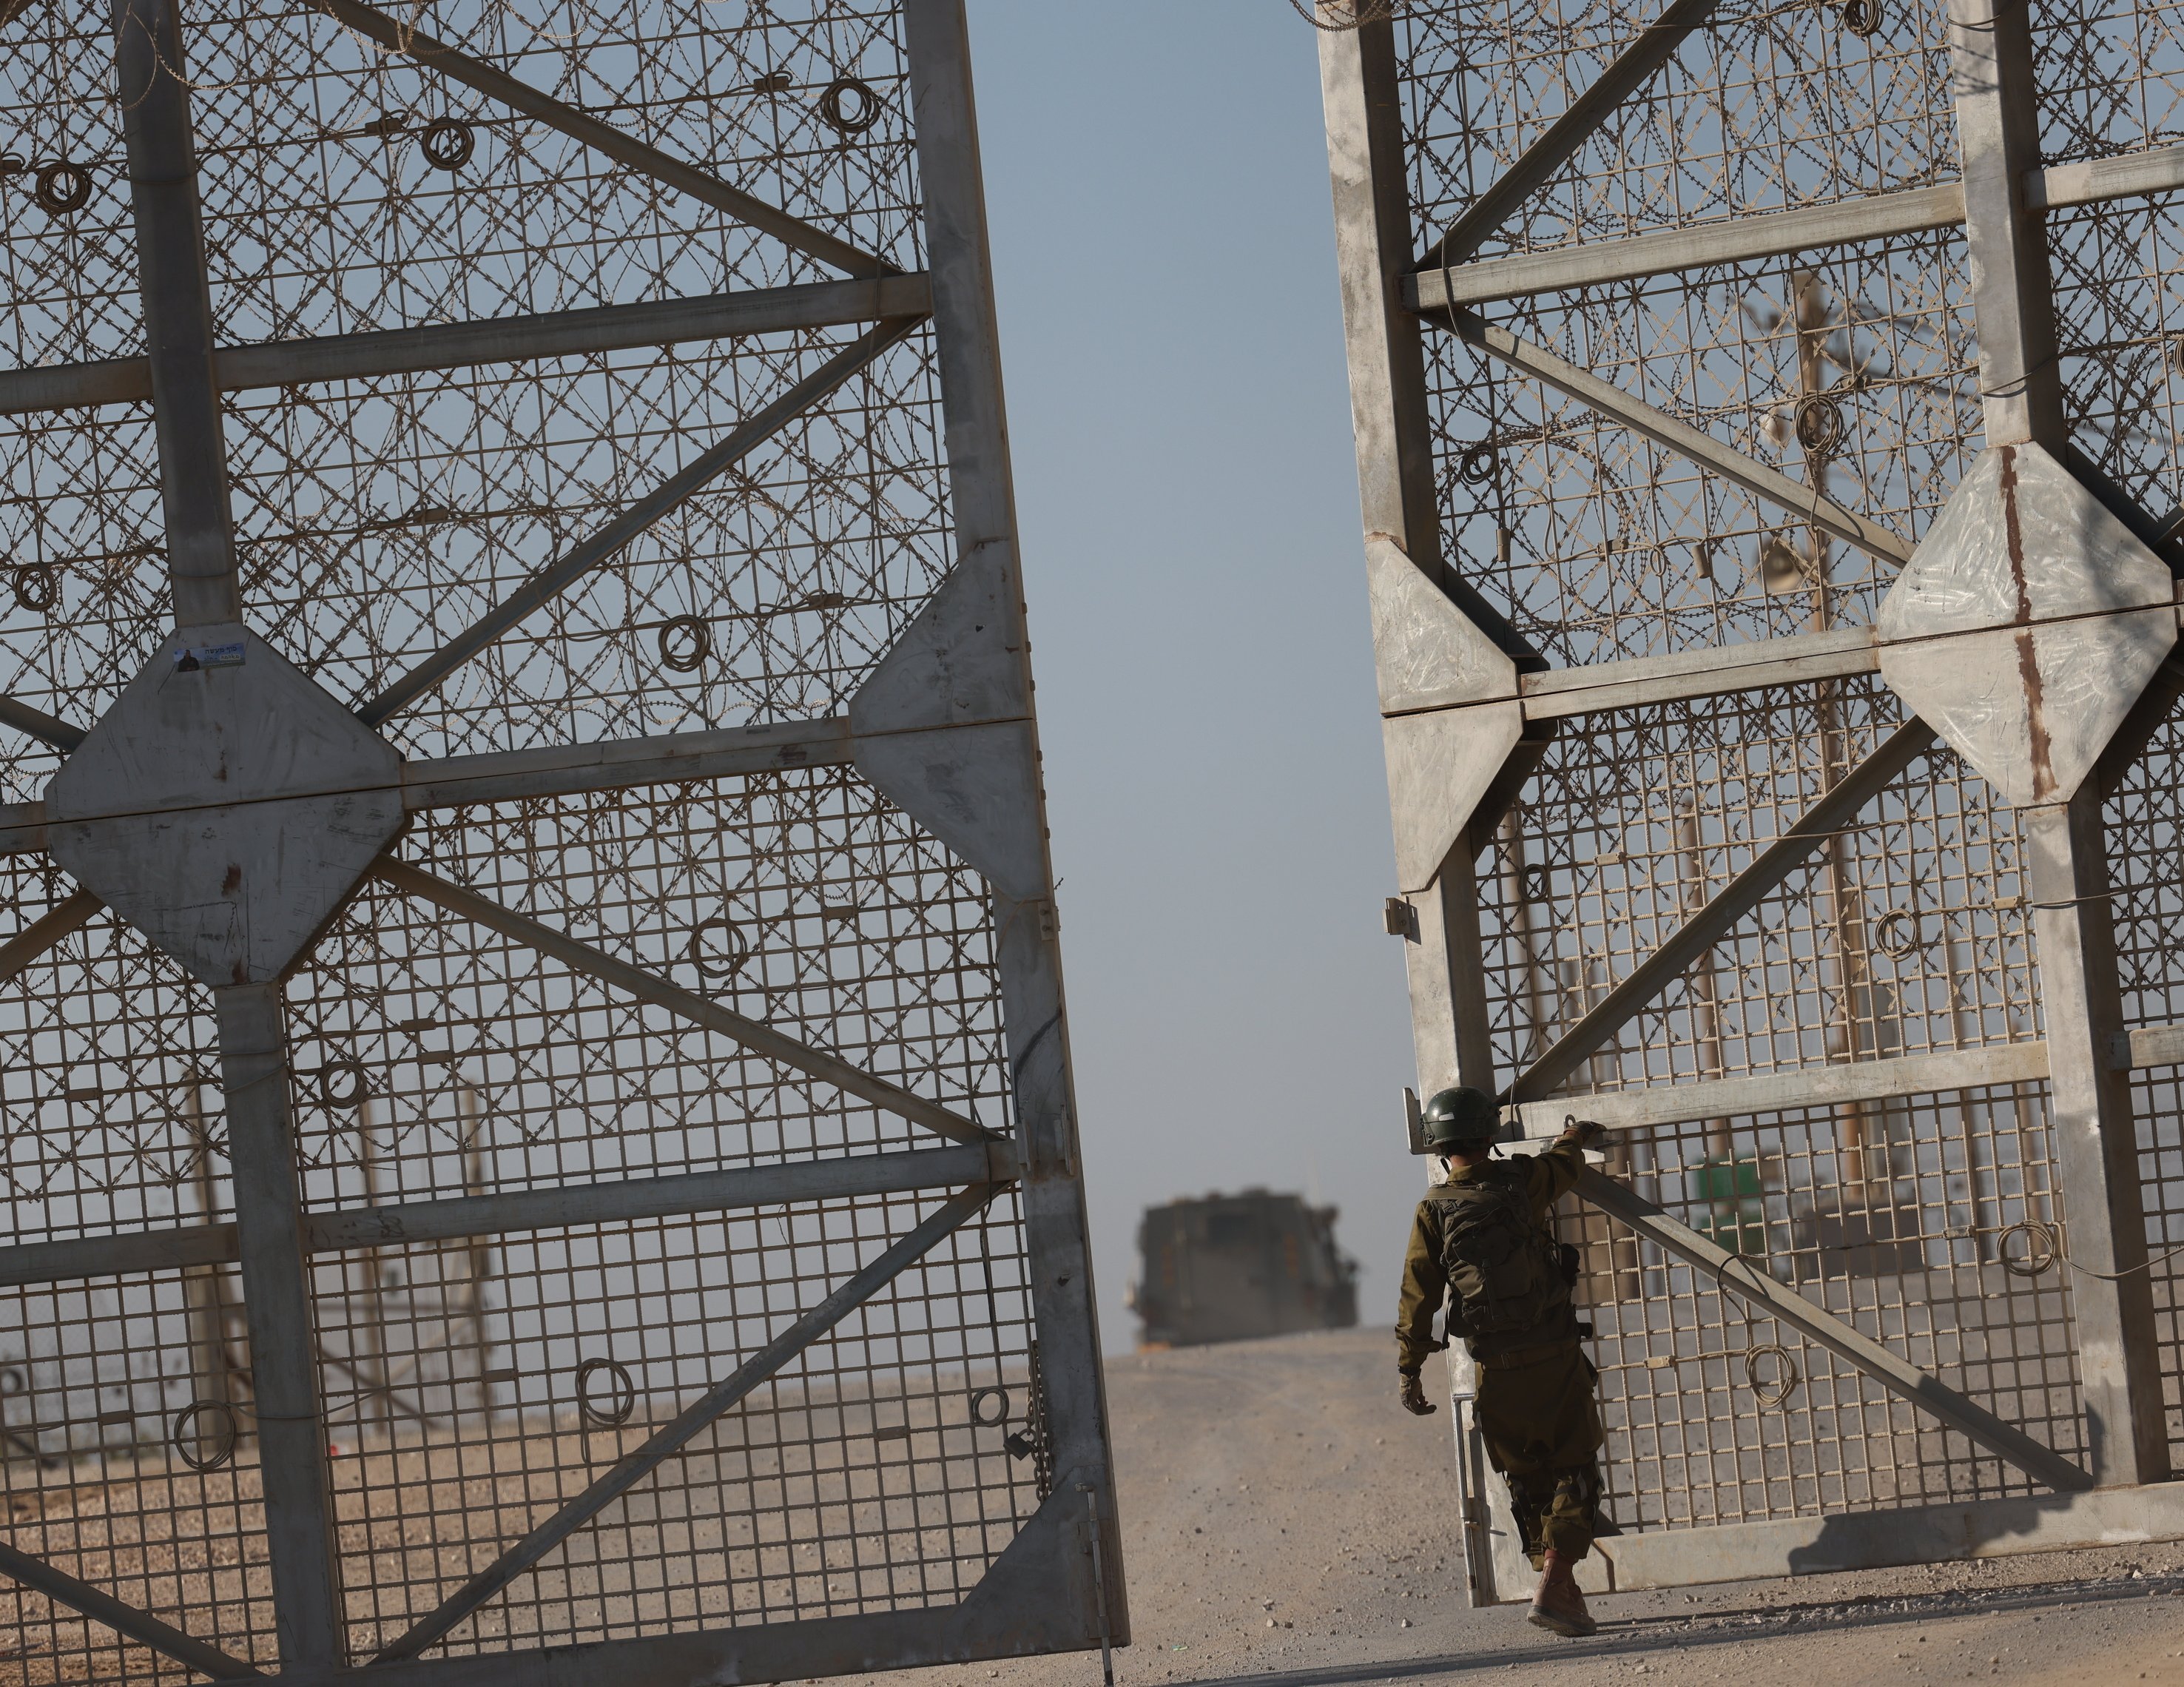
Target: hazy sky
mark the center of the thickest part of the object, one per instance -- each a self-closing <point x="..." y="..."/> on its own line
<point x="1172" y="334"/>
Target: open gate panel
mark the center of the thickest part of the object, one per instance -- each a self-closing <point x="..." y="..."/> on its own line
<point x="535" y="1112"/>
<point x="1766" y="427"/>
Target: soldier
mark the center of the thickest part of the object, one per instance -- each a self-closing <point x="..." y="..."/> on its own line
<point x="1481" y="1241"/>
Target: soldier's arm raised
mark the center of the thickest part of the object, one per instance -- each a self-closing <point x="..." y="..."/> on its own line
<point x="1555" y="1172"/>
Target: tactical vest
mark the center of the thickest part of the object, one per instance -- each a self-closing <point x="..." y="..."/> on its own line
<point x="1508" y="1277"/>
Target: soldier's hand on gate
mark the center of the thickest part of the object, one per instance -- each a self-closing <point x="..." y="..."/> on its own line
<point x="1413" y="1396"/>
<point x="1584" y="1131"/>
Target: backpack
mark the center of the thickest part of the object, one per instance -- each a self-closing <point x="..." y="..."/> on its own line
<point x="1507" y="1275"/>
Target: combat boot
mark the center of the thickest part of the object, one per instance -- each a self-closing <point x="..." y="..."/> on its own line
<point x="1559" y="1604"/>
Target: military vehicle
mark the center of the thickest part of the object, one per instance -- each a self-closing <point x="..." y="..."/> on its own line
<point x="1229" y="1267"/>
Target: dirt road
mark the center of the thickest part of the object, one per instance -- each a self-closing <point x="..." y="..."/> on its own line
<point x="1276" y="1483"/>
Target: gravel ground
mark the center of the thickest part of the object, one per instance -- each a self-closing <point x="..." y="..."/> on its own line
<point x="1276" y="1483"/>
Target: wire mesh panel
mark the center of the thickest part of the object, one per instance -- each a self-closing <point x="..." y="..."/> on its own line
<point x="1909" y="1221"/>
<point x="1606" y="545"/>
<point x="1748" y="399"/>
<point x="1907" y="934"/>
<point x="2149" y="903"/>
<point x="875" y="1474"/>
<point x="534" y="1109"/>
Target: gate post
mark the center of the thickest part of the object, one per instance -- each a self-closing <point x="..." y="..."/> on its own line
<point x="2096" y="1144"/>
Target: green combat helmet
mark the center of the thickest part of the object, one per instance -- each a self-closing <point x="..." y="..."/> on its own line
<point x="1459" y="1118"/>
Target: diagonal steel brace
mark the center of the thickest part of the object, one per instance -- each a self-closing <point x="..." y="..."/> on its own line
<point x="40" y="725"/>
<point x="1624" y="76"/>
<point x="140" y="1626"/>
<point x="70" y="915"/>
<point x="1806" y="503"/>
<point x="647" y="512"/>
<point x="759" y="1038"/>
<point x="396" y="36"/>
<point x="1739" y="1274"/>
<point x="1738" y="897"/>
<point x="671" y="1438"/>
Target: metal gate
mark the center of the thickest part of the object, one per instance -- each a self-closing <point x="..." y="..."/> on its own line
<point x="1766" y="419"/>
<point x="534" y="1106"/>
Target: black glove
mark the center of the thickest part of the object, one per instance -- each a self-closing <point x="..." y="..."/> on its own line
<point x="1413" y="1396"/>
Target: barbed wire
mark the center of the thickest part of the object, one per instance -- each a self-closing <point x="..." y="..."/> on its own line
<point x="1362" y="13"/>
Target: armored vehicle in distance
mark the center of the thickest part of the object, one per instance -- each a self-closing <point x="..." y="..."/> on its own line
<point x="1229" y="1267"/>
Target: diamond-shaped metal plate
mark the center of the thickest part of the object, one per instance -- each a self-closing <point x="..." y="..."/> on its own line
<point x="226" y="806"/>
<point x="2027" y="623"/>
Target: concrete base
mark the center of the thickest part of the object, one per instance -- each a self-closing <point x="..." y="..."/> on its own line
<point x="1873" y="1540"/>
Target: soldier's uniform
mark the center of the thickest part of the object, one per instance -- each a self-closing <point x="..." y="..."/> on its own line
<point x="1535" y="1409"/>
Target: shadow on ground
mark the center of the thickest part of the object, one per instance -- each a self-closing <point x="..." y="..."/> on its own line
<point x="1733" y="1626"/>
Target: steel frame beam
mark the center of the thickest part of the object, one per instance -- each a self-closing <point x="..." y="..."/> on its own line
<point x="856" y="1177"/>
<point x="1450" y="1029"/>
<point x="1777" y="233"/>
<point x="1737" y="1275"/>
<point x="70" y="915"/>
<point x="604" y="764"/>
<point x="1389" y="410"/>
<point x="2149" y="1045"/>
<point x="460" y="1218"/>
<point x="1398" y="504"/>
<point x="1738" y="239"/>
<point x="2096" y="1144"/>
<point x="503" y="339"/>
<point x="1798" y="658"/>
<point x="1396" y="491"/>
<point x="277" y="1292"/>
<point x="1991" y="70"/>
<point x="1009" y="823"/>
<point x="39" y="725"/>
<point x="2126" y="176"/>
<point x="1561" y="694"/>
<point x="617" y="764"/>
<point x="177" y="305"/>
<point x="1831" y="1086"/>
<point x="200" y="561"/>
<point x="127" y="1253"/>
<point x="2073" y="924"/>
<point x="395" y="36"/>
